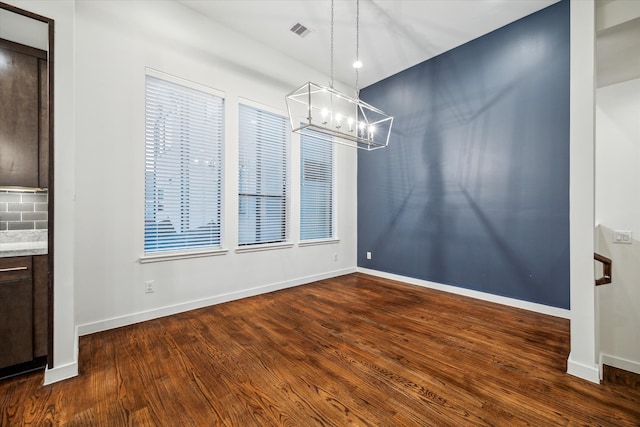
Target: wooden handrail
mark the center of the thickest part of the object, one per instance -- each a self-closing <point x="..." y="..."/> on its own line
<point x="606" y="269"/>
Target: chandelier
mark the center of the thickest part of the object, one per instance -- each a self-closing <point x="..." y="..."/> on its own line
<point x="336" y="117"/>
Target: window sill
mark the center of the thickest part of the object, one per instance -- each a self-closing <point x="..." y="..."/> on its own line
<point x="264" y="247"/>
<point x="318" y="242"/>
<point x="170" y="256"/>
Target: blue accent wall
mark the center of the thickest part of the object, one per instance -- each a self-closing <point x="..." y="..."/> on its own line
<point x="473" y="190"/>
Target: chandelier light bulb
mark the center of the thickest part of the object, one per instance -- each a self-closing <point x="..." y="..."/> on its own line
<point x="324" y="112"/>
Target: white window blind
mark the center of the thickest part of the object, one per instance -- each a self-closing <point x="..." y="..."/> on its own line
<point x="263" y="180"/>
<point x="316" y="187"/>
<point x="184" y="132"/>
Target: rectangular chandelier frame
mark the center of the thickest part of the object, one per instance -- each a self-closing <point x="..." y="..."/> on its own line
<point x="337" y="117"/>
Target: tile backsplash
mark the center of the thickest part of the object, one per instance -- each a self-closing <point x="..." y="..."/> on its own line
<point x="24" y="210"/>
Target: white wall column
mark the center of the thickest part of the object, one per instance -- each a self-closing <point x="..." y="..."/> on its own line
<point x="582" y="360"/>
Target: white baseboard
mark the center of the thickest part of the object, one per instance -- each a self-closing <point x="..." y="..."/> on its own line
<point x="620" y="363"/>
<point x="584" y="371"/>
<point x="511" y="302"/>
<point x="60" y="373"/>
<point x="66" y="371"/>
<point x="130" y="319"/>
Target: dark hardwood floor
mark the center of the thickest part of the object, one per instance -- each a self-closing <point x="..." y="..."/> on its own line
<point x="613" y="375"/>
<point x="355" y="350"/>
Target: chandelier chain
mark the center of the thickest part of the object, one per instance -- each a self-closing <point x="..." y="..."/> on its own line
<point x="331" y="81"/>
<point x="357" y="45"/>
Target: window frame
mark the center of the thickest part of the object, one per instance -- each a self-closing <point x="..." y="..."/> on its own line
<point x="286" y="242"/>
<point x="198" y="250"/>
<point x="333" y="188"/>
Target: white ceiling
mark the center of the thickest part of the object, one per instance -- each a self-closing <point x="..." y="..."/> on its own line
<point x="394" y="34"/>
<point x="618" y="53"/>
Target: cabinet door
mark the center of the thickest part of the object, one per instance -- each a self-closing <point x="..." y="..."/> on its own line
<point x="40" y="305"/>
<point x="16" y="322"/>
<point x="43" y="125"/>
<point x="19" y="119"/>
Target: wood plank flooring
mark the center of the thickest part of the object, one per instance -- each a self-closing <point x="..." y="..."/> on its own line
<point x="613" y="375"/>
<point x="350" y="351"/>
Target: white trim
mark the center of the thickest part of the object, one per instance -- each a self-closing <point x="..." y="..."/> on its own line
<point x="116" y="322"/>
<point x="580" y="370"/>
<point x="312" y="145"/>
<point x="260" y="106"/>
<point x="184" y="82"/>
<point x="330" y="241"/>
<point x="619" y="362"/>
<point x="263" y="247"/>
<point x="169" y="256"/>
<point x="60" y="373"/>
<point x="76" y="344"/>
<point x="582" y="80"/>
<point x="66" y="371"/>
<point x="511" y="302"/>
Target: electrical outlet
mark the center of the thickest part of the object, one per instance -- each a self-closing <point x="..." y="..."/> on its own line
<point x="149" y="287"/>
<point x="368" y="255"/>
<point x="622" y="236"/>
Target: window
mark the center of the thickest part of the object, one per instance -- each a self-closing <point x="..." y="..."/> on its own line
<point x="316" y="187"/>
<point x="263" y="180"/>
<point x="183" y="166"/>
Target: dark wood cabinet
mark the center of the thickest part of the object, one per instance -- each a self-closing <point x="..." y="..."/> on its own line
<point x="24" y="116"/>
<point x="16" y="315"/>
<point x="23" y="313"/>
<point x="43" y="125"/>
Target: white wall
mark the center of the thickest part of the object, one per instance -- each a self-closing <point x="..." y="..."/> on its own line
<point x="618" y="208"/>
<point x="24" y="30"/>
<point x="115" y="41"/>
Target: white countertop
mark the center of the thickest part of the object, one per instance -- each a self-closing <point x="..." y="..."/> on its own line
<point x="23" y="243"/>
<point x="22" y="249"/>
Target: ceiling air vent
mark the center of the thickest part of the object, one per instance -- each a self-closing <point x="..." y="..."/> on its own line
<point x="300" y="30"/>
